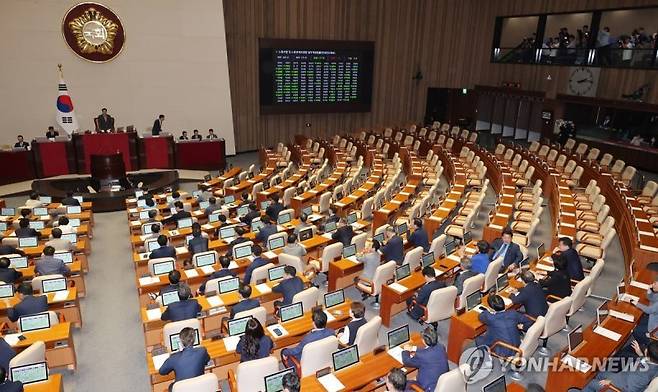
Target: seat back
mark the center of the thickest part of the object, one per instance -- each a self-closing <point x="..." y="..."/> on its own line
<point x="617" y="167"/>
<point x="570" y="144"/>
<point x="177" y="326"/>
<point x="259" y="313"/>
<point x="582" y="147"/>
<point x="213" y="284"/>
<point x="383" y="274"/>
<point x="413" y="257"/>
<point x="556" y="317"/>
<point x="207" y="382"/>
<point x="606" y="160"/>
<point x="471" y="285"/>
<point x="286" y="259"/>
<point x="331" y="253"/>
<point x="531" y="339"/>
<point x="33" y="354"/>
<point x="260" y="273"/>
<point x="288" y="194"/>
<point x="650" y="189"/>
<point x="246" y="371"/>
<point x="256" y="189"/>
<point x="579" y="295"/>
<point x="491" y="274"/>
<point x="367" y="336"/>
<point x="593" y="154"/>
<point x="317" y="355"/>
<point x="500" y="148"/>
<point x="594" y="274"/>
<point x="452" y="380"/>
<point x="360" y="241"/>
<point x="10" y="241"/>
<point x="36" y="281"/>
<point x="325" y="199"/>
<point x="437" y="246"/>
<point x="441" y="304"/>
<point x="308" y="298"/>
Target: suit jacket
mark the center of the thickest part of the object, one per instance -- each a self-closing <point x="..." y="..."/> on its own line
<point x="295" y="249"/>
<point x="6" y="353"/>
<point x="9" y="275"/>
<point x="175" y="217"/>
<point x="29" y="305"/>
<point x="24" y="232"/>
<point x="265" y="232"/>
<point x="70" y="201"/>
<point x="503" y="326"/>
<point x="273" y="210"/>
<point x="251" y="215"/>
<point x="198" y="244"/>
<point x="431" y="363"/>
<point x="419" y="238"/>
<point x="181" y="310"/>
<point x="11" y="386"/>
<point x="264" y="348"/>
<point x="393" y="250"/>
<point x="461" y="278"/>
<point x="61" y="244"/>
<point x="574" y="266"/>
<point x="188" y="363"/>
<point x="52" y="134"/>
<point x="557" y="283"/>
<point x="423" y="296"/>
<point x="343" y="234"/>
<point x="9" y="250"/>
<point x="105" y="123"/>
<point x="163" y="251"/>
<point x="513" y="254"/>
<point x="288" y="288"/>
<point x="258" y="262"/>
<point x="157" y="127"/>
<point x="314" y="335"/>
<point x="533" y="299"/>
<point x="245" y="304"/>
<point x="223" y="272"/>
<point x="49" y="265"/>
<point x="24" y="145"/>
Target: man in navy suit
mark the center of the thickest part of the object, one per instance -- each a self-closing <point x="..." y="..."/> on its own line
<point x="29" y="304"/>
<point x="180" y="213"/>
<point x="274" y="208"/>
<point x="48" y="264"/>
<point x="266" y="231"/>
<point x="574" y="266"/>
<point x="164" y="250"/>
<point x="419" y="236"/>
<point x="344" y="233"/>
<point x="502" y="325"/>
<point x="223" y="272"/>
<point x="431" y="361"/>
<point x="394" y="248"/>
<point x="531" y="296"/>
<point x="157" y="125"/>
<point x="289" y="286"/>
<point x="187" y="363"/>
<point x="258" y="261"/>
<point x="422" y="296"/>
<point x="318" y="333"/>
<point x="198" y="243"/>
<point x="508" y="250"/>
<point x="7" y="274"/>
<point x="185" y="308"/>
<point x="245" y="303"/>
<point x="24" y="230"/>
<point x="251" y="215"/>
<point x="7" y="385"/>
<point x="6" y="354"/>
<point x="174" y="282"/>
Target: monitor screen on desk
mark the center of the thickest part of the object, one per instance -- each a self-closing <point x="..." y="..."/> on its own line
<point x="8" y="211"/>
<point x="3" y="226"/>
<point x="378" y="237"/>
<point x="18" y="262"/>
<point x="467" y="238"/>
<point x="329" y="227"/>
<point x="78" y="209"/>
<point x="28" y="374"/>
<point x="275" y="243"/>
<point x="175" y="343"/>
<point x="152" y="245"/>
<point x="141" y="203"/>
<point x="227" y="232"/>
<point x="204" y="259"/>
<point x="306" y="234"/>
<point x="45" y="199"/>
<point x="398" y="336"/>
<point x="52" y="285"/>
<point x="274" y="382"/>
<point x="575" y="338"/>
<point x="34" y="322"/>
<point x="240" y="252"/>
<point x="169" y="297"/>
<point x="236" y="327"/>
<point x="334" y="298"/>
<point x="40" y="211"/>
<point x="501" y="282"/>
<point x="144" y="214"/>
<point x="275" y="273"/>
<point x="284" y="218"/>
<point x="37" y="225"/>
<point x="351" y="218"/>
<point x="497" y="385"/>
<point x="66" y="257"/>
<point x="184" y="223"/>
<point x="72" y="237"/>
<point x="139" y="193"/>
<point x="428" y="259"/>
<point x="242" y="211"/>
<point x="228" y="285"/>
<point x="402" y="272"/>
<point x="229" y="199"/>
<point x="163" y="267"/>
<point x="256" y="225"/>
<point x="450" y="247"/>
<point x="6" y="290"/>
<point x="80" y="199"/>
<point x="402" y="228"/>
<point x="473" y="300"/>
<point x="291" y="312"/>
<point x="214" y="217"/>
<point x="349" y="251"/>
<point x="345" y="357"/>
<point x="541" y="250"/>
<point x="203" y="205"/>
<point x="74" y="222"/>
<point x="27" y="242"/>
<point x="308" y="210"/>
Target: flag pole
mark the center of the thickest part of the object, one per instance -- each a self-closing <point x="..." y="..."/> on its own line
<point x="61" y="74"/>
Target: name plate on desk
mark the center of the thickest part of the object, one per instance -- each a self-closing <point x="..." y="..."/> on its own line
<point x="398" y="287"/>
<point x="263" y="288"/>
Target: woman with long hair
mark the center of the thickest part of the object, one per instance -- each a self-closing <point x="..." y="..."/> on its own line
<point x="254" y="344"/>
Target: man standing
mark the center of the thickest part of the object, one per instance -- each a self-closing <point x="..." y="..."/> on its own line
<point x="574" y="266"/>
<point x="157" y="125"/>
<point x="104" y="122"/>
<point x="52" y="133"/>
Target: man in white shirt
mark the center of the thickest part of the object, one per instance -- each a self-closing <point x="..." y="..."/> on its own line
<point x="58" y="242"/>
<point x="33" y="201"/>
<point x="63" y="224"/>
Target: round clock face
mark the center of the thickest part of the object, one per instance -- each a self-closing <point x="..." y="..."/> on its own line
<point x="581" y="81"/>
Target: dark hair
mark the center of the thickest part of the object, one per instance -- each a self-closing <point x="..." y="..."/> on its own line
<point x="266" y="219"/>
<point x="25" y="212"/>
<point x="559" y="261"/>
<point x="508" y="231"/>
<point x="63" y="221"/>
<point x="212" y="200"/>
<point x="23" y="223"/>
<point x="274" y="197"/>
<point x="49" y="251"/>
<point x="162" y="240"/>
<point x="252" y="334"/>
<point x="292" y="238"/>
<point x="358" y="309"/>
<point x="290" y="270"/>
<point x="398" y="378"/>
<point x="153" y="213"/>
<point x="429" y="272"/>
<point x="150" y="203"/>
<point x="527" y="276"/>
<point x="290" y="382"/>
<point x="483" y="246"/>
<point x="245" y="196"/>
<point x="319" y="318"/>
<point x="178" y="204"/>
<point x="652" y="351"/>
<point x="4" y="262"/>
<point x="161" y="116"/>
<point x="187" y="336"/>
<point x="155" y="228"/>
<point x="253" y="207"/>
<point x="184" y="292"/>
<point x="105" y="109"/>
<point x="224" y="261"/>
<point x="56" y="232"/>
<point x="174" y="276"/>
<point x="256" y="250"/>
<point x="418" y="222"/>
<point x="496" y="303"/>
<point x="303" y="217"/>
<point x="221" y="217"/>
<point x="175" y="194"/>
<point x="34" y="196"/>
<point x="566" y="241"/>
<point x="25" y="288"/>
<point x="196" y="229"/>
<point x="21" y="136"/>
<point x="245" y="290"/>
<point x="430" y="336"/>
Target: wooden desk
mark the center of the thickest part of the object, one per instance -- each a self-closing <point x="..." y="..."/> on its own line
<point x="68" y="307"/>
<point x="217" y="182"/>
<point x="53" y="384"/>
<point x="60" y="350"/>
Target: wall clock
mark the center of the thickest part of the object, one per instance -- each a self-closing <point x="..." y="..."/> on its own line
<point x="583" y="81"/>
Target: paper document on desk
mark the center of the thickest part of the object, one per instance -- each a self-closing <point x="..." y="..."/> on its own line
<point x="330" y="317"/>
<point x="331" y="383"/>
<point x="396" y="353"/>
<point x="576" y="364"/>
<point x="454" y="257"/>
<point x="398" y="287"/>
<point x="231" y="342"/>
<point x="270" y="255"/>
<point x="327" y="235"/>
<point x="233" y="265"/>
<point x="12" y="339"/>
<point x="612" y="335"/>
<point x="353" y="259"/>
<point x="622" y="316"/>
<point x="625" y="297"/>
<point x="545" y="267"/>
<point x="61" y="296"/>
<point x="153" y="314"/>
<point x="180" y="250"/>
<point x="215" y="301"/>
<point x="207" y="269"/>
<point x="158" y="360"/>
<point x="640" y="285"/>
<point x="191" y="273"/>
<point x="207" y="226"/>
<point x="263" y="288"/>
<point x="147" y="280"/>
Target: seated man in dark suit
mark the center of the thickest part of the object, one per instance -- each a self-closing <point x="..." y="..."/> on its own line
<point x="266" y="231"/>
<point x="190" y="362"/>
<point x="69" y="200"/>
<point x="9" y="386"/>
<point x="174" y="282"/>
<point x="502" y="325"/>
<point x="185" y="308"/>
<point x="245" y="303"/>
<point x="419" y="236"/>
<point x="212" y="206"/>
<point x="180" y="214"/>
<point x="221" y="273"/>
<point x="431" y="361"/>
<point x="574" y="266"/>
<point x="394" y="248"/>
<point x="531" y="296"/>
<point x="6" y="353"/>
<point x="51" y="133"/>
<point x="164" y="250"/>
<point x="198" y="243"/>
<point x="289" y="286"/>
<point x="30" y="304"/>
<point x="274" y="208"/>
<point x="8" y="275"/>
<point x="258" y="261"/>
<point x="508" y="250"/>
<point x="10" y="250"/>
<point x="344" y="233"/>
<point x="422" y="296"/>
<point x="319" y="332"/>
<point x="557" y="282"/>
<point x="48" y="264"/>
<point x="251" y="215"/>
<point x="22" y="143"/>
<point x="24" y="230"/>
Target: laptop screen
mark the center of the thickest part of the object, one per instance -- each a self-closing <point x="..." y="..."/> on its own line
<point x="497" y="385"/>
<point x="163" y="267"/>
<point x="345" y="357"/>
<point x="227" y="232"/>
<point x="45" y="199"/>
<point x="78" y="209"/>
<point x="329" y="226"/>
<point x="201" y="260"/>
<point x="334" y="298"/>
<point x="274" y="382"/>
<point x="18" y="262"/>
<point x="351" y="218"/>
<point x="141" y="203"/>
<point x="147" y="228"/>
<point x="169" y="297"/>
<point x="72" y="237"/>
<point x="291" y="312"/>
<point x="3" y="226"/>
<point x="34" y="322"/>
<point x="8" y="211"/>
<point x="139" y="193"/>
<point x="203" y="205"/>
<point x="306" y="234"/>
<point x="66" y="257"/>
<point x="398" y="336"/>
<point x="379" y="237"/>
<point x="27" y="242"/>
<point x="40" y="211"/>
<point x="6" y="290"/>
<point x="256" y="225"/>
<point x="80" y="199"/>
<point x="275" y="243"/>
<point x="152" y="245"/>
<point x="402" y="271"/>
<point x="240" y="252"/>
<point x="284" y="218"/>
<point x="242" y="211"/>
<point x="473" y="300"/>
<point x="74" y="222"/>
<point x="428" y="259"/>
<point x="501" y="282"/>
<point x="602" y="312"/>
<point x="450" y="247"/>
<point x="37" y="225"/>
<point x="349" y="251"/>
<point x="401" y="228"/>
<point x="28" y="374"/>
<point x="52" y="285"/>
<point x="214" y="217"/>
<point x="275" y="273"/>
<point x="228" y="285"/>
<point x="237" y="327"/>
<point x="575" y="337"/>
<point x="306" y="210"/>
<point x="229" y="199"/>
<point x="541" y="250"/>
<point x="174" y="340"/>
<point x="467" y="237"/>
<point x="144" y="214"/>
<point x="185" y="222"/>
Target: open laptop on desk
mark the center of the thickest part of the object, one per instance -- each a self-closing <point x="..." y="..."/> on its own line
<point x="274" y="382"/>
<point x="602" y="312"/>
<point x="29" y="374"/>
<point x="345" y="357"/>
<point x="175" y="343"/>
<point x="275" y="243"/>
<point x="291" y="312"/>
<point x="332" y="299"/>
<point x="396" y="338"/>
<point x="497" y="385"/>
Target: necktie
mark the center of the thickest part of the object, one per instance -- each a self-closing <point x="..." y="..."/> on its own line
<point x="501" y="251"/>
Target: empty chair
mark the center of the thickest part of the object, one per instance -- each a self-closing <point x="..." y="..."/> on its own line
<point x="593" y="154"/>
<point x="574" y="180"/>
<point x="526" y="238"/>
<point x="242" y="379"/>
<point x="316" y="355"/>
<point x="617" y="168"/>
<point x="581" y="149"/>
<point x="453" y="380"/>
<point x="606" y="160"/>
<point x="383" y="274"/>
<point x="594" y="274"/>
<point x="360" y="241"/>
<point x="554" y="321"/>
<point x="440" y="306"/>
<point x="367" y="336"/>
<point x="204" y="383"/>
<point x="593" y="252"/>
<point x="500" y="149"/>
<point x="329" y="254"/>
<point x="37" y="281"/>
<point x="366" y="208"/>
<point x="552" y="155"/>
<point x="596" y="238"/>
<point x="543" y="151"/>
<point x="491" y="274"/>
<point x="648" y="192"/>
<point x="413" y="257"/>
<point x="259" y="313"/>
<point x="570" y="144"/>
<point x="534" y="147"/>
<point x="579" y="295"/>
<point x="323" y="205"/>
<point x="308" y="298"/>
